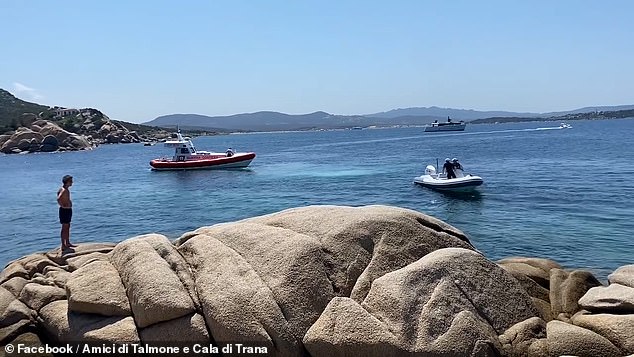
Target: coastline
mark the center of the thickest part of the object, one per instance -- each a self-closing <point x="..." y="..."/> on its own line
<point x="340" y="273"/>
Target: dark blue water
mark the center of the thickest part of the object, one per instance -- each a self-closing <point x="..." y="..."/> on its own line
<point x="563" y="194"/>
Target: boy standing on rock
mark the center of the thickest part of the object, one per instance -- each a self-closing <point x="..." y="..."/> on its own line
<point x="65" y="211"/>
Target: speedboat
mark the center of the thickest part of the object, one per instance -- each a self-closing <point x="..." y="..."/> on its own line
<point x="431" y="179"/>
<point x="565" y="126"/>
<point x="446" y="126"/>
<point x="186" y="157"/>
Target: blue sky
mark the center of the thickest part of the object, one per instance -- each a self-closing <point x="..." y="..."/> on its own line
<point x="136" y="60"/>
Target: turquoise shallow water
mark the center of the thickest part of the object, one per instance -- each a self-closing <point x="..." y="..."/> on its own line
<point x="556" y="193"/>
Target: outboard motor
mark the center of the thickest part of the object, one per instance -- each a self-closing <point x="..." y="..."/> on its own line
<point x="430" y="170"/>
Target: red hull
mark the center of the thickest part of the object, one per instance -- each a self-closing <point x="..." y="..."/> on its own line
<point x="236" y="161"/>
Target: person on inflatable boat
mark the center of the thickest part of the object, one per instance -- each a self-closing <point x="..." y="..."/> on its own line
<point x="448" y="168"/>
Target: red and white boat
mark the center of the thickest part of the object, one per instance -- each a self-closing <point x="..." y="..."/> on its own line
<point x="186" y="157"/>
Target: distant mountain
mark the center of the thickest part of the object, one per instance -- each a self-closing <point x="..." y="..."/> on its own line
<point x="572" y="115"/>
<point x="458" y="114"/>
<point x="261" y="121"/>
<point x="614" y="108"/>
<point x="272" y="121"/>
<point x="469" y="114"/>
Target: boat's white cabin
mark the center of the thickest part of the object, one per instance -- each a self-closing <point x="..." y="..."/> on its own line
<point x="183" y="147"/>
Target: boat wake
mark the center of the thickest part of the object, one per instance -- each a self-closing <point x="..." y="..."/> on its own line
<point x="425" y="137"/>
<point x="518" y="130"/>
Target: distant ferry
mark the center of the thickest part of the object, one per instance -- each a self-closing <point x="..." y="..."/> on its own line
<point x="447" y="126"/>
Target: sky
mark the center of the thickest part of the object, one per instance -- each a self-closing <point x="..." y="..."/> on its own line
<point x="137" y="60"/>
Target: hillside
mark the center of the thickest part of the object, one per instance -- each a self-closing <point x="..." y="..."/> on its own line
<point x="584" y="110"/>
<point x="573" y="115"/>
<point x="260" y="121"/>
<point x="11" y="108"/>
<point x="13" y="112"/>
<point x="472" y="115"/>
<point x="271" y="121"/>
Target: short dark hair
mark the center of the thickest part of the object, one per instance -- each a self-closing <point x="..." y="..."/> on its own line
<point x="66" y="178"/>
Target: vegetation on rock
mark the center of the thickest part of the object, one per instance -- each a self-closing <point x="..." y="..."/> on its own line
<point x="15" y="113"/>
<point x="595" y="115"/>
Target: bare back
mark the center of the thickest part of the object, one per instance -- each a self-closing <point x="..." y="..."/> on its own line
<point x="63" y="197"/>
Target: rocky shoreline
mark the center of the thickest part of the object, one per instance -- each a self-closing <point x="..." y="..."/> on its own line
<point x="318" y="281"/>
<point x="86" y="130"/>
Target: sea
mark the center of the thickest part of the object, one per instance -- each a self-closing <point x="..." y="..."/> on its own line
<point x="563" y="194"/>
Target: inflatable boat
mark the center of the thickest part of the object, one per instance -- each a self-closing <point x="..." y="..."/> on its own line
<point x="432" y="179"/>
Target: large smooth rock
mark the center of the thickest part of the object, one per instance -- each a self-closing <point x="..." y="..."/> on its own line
<point x="567" y="288"/>
<point x="24" y="145"/>
<point x="544" y="308"/>
<point x="35" y="296"/>
<point x="50" y="128"/>
<point x="570" y="340"/>
<point x="538" y="275"/>
<point x="80" y="255"/>
<point x="541" y="263"/>
<point x="4" y="138"/>
<point x="619" y="329"/>
<point x="76" y="142"/>
<point x="615" y="298"/>
<point x="41" y="122"/>
<point x="36" y="263"/>
<point x="50" y="140"/>
<point x="623" y="275"/>
<point x="258" y="284"/>
<point x="154" y="290"/>
<point x="27" y="119"/>
<point x="27" y="338"/>
<point x="516" y="341"/>
<point x="47" y="146"/>
<point x="15" y="285"/>
<point x="453" y="301"/>
<point x="177" y="263"/>
<point x="13" y="331"/>
<point x="96" y="288"/>
<point x="347" y="329"/>
<point x="58" y="277"/>
<point x="531" y="286"/>
<point x="12" y="270"/>
<point x="364" y="243"/>
<point x="62" y="325"/>
<point x="21" y="139"/>
<point x="190" y="328"/>
<point x="12" y="310"/>
<point x="319" y="280"/>
<point x="76" y="262"/>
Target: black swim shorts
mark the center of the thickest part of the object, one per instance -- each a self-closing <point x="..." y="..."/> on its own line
<point x="65" y="215"/>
